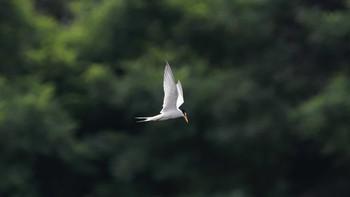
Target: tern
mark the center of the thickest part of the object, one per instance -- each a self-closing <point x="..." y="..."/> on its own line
<point x="173" y="99"/>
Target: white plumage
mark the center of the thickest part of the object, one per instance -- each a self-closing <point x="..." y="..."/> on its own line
<point x="173" y="99"/>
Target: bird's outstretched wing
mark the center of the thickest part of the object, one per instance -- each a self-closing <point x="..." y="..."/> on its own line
<point x="170" y="90"/>
<point x="180" y="97"/>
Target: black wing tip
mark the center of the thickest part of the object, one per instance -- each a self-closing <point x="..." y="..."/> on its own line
<point x="167" y="63"/>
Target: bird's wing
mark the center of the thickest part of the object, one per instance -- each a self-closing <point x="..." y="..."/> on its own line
<point x="170" y="90"/>
<point x="180" y="97"/>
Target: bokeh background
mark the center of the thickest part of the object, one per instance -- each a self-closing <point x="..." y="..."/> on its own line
<point x="266" y="85"/>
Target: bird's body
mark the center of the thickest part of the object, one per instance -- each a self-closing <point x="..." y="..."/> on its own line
<point x="173" y="99"/>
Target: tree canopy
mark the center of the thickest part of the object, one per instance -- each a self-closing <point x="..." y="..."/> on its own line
<point x="266" y="86"/>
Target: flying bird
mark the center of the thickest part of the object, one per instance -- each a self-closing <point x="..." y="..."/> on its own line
<point x="173" y="99"/>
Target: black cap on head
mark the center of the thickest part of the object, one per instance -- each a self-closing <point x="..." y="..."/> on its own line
<point x="184" y="115"/>
<point x="183" y="111"/>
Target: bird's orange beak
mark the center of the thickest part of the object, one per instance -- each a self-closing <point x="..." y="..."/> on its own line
<point x="185" y="117"/>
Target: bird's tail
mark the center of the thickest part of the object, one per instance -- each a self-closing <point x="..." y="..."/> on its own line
<point x="143" y="119"/>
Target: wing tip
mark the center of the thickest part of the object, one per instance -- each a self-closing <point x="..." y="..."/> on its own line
<point x="167" y="65"/>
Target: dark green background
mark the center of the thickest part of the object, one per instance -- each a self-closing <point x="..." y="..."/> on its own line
<point x="266" y="85"/>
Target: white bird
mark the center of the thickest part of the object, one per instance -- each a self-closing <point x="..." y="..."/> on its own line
<point x="173" y="99"/>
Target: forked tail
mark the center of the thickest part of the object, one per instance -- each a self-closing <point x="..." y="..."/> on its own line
<point x="142" y="119"/>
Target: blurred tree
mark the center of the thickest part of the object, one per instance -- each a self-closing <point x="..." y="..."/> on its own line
<point x="32" y="125"/>
<point x="266" y="87"/>
<point x="57" y="9"/>
<point x="15" y="35"/>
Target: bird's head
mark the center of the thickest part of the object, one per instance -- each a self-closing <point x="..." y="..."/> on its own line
<point x="184" y="115"/>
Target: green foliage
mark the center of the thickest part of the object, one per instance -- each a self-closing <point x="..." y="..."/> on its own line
<point x="32" y="124"/>
<point x="317" y="116"/>
<point x="266" y="87"/>
<point x="15" y="35"/>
